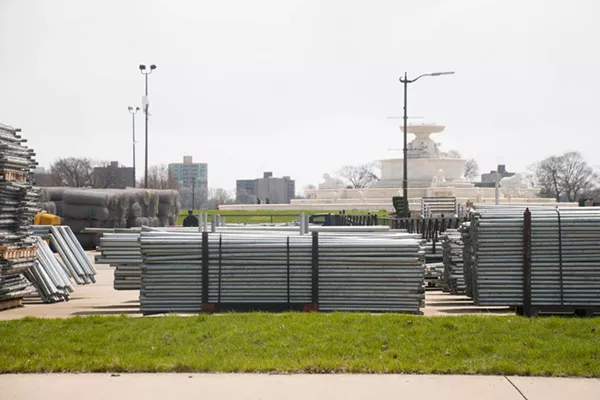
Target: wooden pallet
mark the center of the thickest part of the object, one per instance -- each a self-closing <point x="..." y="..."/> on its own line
<point x="11" y="254"/>
<point x="14" y="176"/>
<point x="10" y="303"/>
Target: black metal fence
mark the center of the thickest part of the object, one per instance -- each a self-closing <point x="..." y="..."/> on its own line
<point x="430" y="228"/>
<point x="349" y="220"/>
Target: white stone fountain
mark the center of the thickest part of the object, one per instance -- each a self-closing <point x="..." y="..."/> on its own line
<point x="427" y="164"/>
<point x="431" y="173"/>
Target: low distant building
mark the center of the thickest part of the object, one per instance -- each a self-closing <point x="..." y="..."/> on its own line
<point x="489" y="179"/>
<point x="113" y="176"/>
<point x="267" y="189"/>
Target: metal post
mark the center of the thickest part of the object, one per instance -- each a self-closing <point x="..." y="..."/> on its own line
<point x="200" y="219"/>
<point x="213" y="224"/>
<point x="302" y="222"/>
<point x="133" y="128"/>
<point x="405" y="167"/>
<point x="527" y="311"/>
<point x="315" y="271"/>
<point x="205" y="265"/>
<point x="146" y="129"/>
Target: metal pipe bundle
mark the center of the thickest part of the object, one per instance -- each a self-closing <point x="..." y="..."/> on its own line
<point x="48" y="276"/>
<point x="244" y="269"/>
<point x="74" y="258"/>
<point x="122" y="250"/>
<point x="453" y="277"/>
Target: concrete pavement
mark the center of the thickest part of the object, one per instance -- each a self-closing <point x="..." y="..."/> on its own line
<point x="292" y="387"/>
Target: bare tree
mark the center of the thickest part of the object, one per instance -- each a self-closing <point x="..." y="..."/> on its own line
<point x="72" y="172"/>
<point x="217" y="197"/>
<point x="195" y="199"/>
<point x="159" y="177"/>
<point x="568" y="175"/>
<point x="243" y="196"/>
<point x="359" y="176"/>
<point x="471" y="169"/>
<point x="453" y="154"/>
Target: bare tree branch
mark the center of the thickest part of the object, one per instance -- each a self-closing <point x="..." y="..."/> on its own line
<point x="159" y="177"/>
<point x="568" y="175"/>
<point x="471" y="169"/>
<point x="359" y="176"/>
<point x="72" y="172"/>
<point x="217" y="197"/>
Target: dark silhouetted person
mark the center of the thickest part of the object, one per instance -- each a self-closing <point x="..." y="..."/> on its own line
<point x="191" y="219"/>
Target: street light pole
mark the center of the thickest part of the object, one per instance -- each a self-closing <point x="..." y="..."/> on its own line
<point x="133" y="111"/>
<point x="146" y="106"/>
<point x="406" y="81"/>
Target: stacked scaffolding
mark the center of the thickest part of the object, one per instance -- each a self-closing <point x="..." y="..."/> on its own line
<point x="538" y="259"/>
<point x="453" y="276"/>
<point x="18" y="205"/>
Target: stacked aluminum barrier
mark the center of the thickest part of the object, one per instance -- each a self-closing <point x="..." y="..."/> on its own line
<point x="468" y="256"/>
<point x="453" y="277"/>
<point x="245" y="269"/>
<point x="48" y="276"/>
<point x="18" y="202"/>
<point x="171" y="273"/>
<point x="433" y="262"/>
<point x="254" y="269"/>
<point x="122" y="250"/>
<point x="565" y="257"/>
<point x="497" y="241"/>
<point x="370" y="275"/>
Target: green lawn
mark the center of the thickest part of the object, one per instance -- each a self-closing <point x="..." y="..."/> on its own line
<point x="267" y="216"/>
<point x="302" y="342"/>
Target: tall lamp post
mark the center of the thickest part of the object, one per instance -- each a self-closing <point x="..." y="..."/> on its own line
<point x="146" y="104"/>
<point x="406" y="81"/>
<point x="133" y="111"/>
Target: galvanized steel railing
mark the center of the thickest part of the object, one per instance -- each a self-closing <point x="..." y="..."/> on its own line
<point x="189" y="272"/>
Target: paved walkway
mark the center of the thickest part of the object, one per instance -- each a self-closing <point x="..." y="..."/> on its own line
<point x="292" y="387"/>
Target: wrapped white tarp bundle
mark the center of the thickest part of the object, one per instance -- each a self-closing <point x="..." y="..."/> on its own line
<point x="113" y="208"/>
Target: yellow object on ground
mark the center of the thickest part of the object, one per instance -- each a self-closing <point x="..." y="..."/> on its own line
<point x="46" y="219"/>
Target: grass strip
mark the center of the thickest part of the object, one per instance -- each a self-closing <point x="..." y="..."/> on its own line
<point x="299" y="342"/>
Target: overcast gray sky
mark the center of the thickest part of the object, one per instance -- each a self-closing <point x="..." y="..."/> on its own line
<point x="300" y="88"/>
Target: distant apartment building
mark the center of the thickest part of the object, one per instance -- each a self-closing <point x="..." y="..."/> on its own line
<point x="113" y="176"/>
<point x="489" y="179"/>
<point x="190" y="174"/>
<point x="266" y="189"/>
